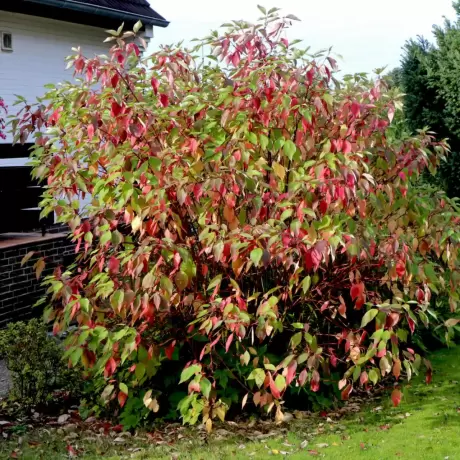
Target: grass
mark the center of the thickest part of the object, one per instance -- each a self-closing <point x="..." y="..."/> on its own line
<point x="425" y="426"/>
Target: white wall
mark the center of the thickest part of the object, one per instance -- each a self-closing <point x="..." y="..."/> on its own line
<point x="40" y="46"/>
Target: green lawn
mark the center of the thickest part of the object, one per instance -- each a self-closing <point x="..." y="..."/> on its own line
<point x="425" y="426"/>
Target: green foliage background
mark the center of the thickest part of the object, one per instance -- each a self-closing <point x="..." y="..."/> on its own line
<point x="430" y="78"/>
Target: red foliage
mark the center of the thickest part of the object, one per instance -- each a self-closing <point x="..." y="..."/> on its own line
<point x="236" y="211"/>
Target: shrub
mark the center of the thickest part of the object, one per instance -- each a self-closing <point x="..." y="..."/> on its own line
<point x="35" y="361"/>
<point x="3" y="112"/>
<point x="253" y="230"/>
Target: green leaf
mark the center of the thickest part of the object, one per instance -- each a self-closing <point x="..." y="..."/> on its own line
<point x="302" y="358"/>
<point x="117" y="238"/>
<point x="356" y="373"/>
<point x="106" y="236"/>
<point x="140" y="371"/>
<point x="189" y="372"/>
<point x="116" y="299"/>
<point x="289" y="149"/>
<point x="353" y="249"/>
<point x="263" y="140"/>
<point x="137" y="27"/>
<point x="256" y="256"/>
<point x="373" y="376"/>
<point x="369" y="316"/>
<point x="306" y="283"/>
<point x="181" y="280"/>
<point x="166" y="284"/>
<point x="148" y="281"/>
<point x="214" y="282"/>
<point x="327" y="97"/>
<point x="155" y="163"/>
<point x="430" y="273"/>
<point x="205" y="386"/>
<point x="262" y="9"/>
<point x="296" y="339"/>
<point x="76" y="355"/>
<point x="124" y="388"/>
<point x="258" y="375"/>
<point x="280" y="382"/>
<point x="251" y="137"/>
<point x="107" y="392"/>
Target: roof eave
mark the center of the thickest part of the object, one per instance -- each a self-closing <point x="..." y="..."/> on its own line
<point x="103" y="11"/>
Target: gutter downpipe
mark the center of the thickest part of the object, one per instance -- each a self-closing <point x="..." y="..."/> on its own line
<point x="101" y="11"/>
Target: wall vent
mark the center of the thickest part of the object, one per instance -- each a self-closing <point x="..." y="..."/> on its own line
<point x="7" y="41"/>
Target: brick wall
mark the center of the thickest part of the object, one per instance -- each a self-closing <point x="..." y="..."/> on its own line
<point x="19" y="288"/>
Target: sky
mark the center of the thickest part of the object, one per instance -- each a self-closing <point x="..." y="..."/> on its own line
<point x="367" y="33"/>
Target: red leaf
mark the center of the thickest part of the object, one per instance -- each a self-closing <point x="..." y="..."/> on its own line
<point x="291" y="370"/>
<point x="397" y="368"/>
<point x="346" y="147"/>
<point x="114" y="265"/>
<point x="346" y="392"/>
<point x="114" y="80"/>
<point x="314" y="383"/>
<point x="356" y="290"/>
<point x="155" y="85"/>
<point x="273" y="388"/>
<point x="110" y="367"/>
<point x="236" y="59"/>
<point x="396" y="397"/>
<point x="363" y="379"/>
<point x="169" y="350"/>
<point x="392" y="320"/>
<point x="359" y="302"/>
<point x="228" y="342"/>
<point x="194" y="387"/>
<point x="333" y="360"/>
<point x="411" y="323"/>
<point x="122" y="398"/>
<point x="355" y="109"/>
<point x="342" y="309"/>
<point x="164" y="100"/>
<point x="116" y="109"/>
<point x="303" y="377"/>
<point x="429" y="376"/>
<point x="401" y="268"/>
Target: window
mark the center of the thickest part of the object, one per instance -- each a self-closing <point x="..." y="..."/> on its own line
<point x="7" y="41"/>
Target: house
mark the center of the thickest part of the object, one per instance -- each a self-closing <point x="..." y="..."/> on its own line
<point x="35" y="38"/>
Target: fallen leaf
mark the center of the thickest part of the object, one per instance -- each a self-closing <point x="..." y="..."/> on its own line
<point x="396" y="397"/>
<point x="63" y="418"/>
<point x="72" y="452"/>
